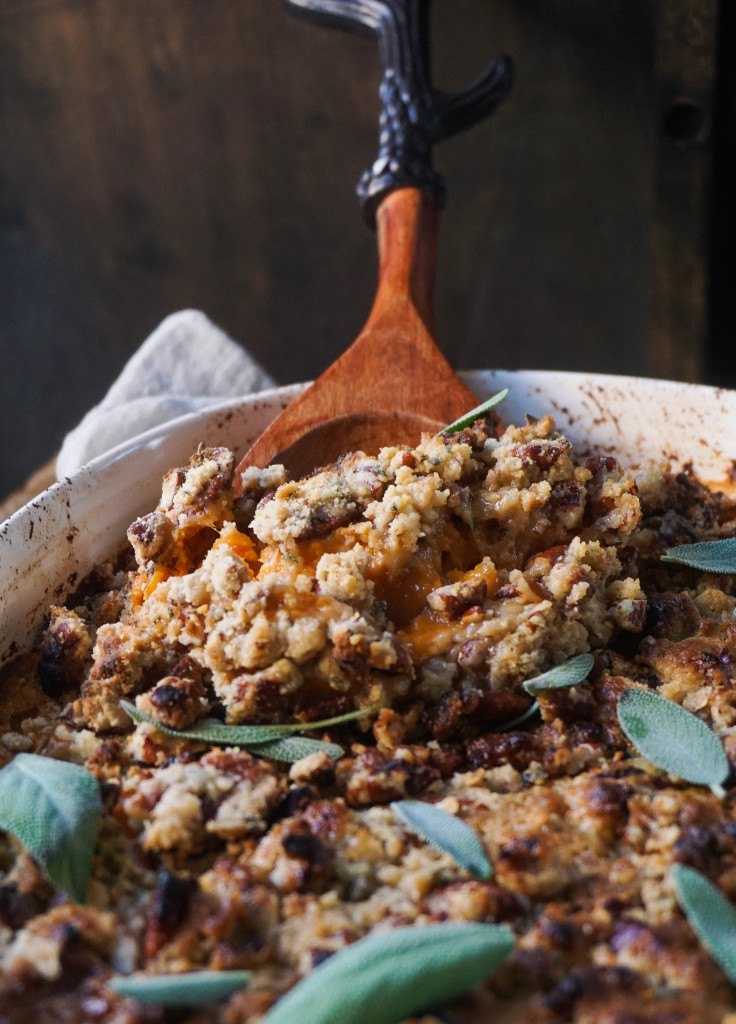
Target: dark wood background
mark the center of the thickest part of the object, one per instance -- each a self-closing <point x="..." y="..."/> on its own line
<point x="163" y="154"/>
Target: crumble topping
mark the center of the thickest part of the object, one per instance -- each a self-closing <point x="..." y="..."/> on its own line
<point x="433" y="582"/>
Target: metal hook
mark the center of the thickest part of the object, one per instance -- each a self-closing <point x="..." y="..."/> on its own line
<point x="414" y="115"/>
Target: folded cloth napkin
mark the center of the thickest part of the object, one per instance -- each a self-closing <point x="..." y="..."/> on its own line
<point x="186" y="364"/>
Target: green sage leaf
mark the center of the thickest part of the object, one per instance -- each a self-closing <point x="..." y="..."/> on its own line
<point x="180" y="989"/>
<point x="212" y="730"/>
<point x="384" y="978"/>
<point x="570" y="673"/>
<point x="276" y="743"/>
<point x="294" y="748"/>
<point x="447" y="832"/>
<point x="708" y="555"/>
<point x="673" y="738"/>
<point x="711" y="915"/>
<point x="216" y="733"/>
<point x="470" y="417"/>
<point x="53" y="808"/>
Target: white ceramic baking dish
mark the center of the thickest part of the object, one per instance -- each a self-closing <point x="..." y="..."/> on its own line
<point x="51" y="543"/>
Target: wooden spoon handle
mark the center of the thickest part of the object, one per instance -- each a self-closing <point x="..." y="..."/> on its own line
<point x="406" y="223"/>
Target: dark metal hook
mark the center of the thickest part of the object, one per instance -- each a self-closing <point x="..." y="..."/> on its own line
<point x="414" y="115"/>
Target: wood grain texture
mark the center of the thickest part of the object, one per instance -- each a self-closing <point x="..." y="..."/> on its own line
<point x="165" y="155"/>
<point x="393" y="383"/>
<point x="684" y="63"/>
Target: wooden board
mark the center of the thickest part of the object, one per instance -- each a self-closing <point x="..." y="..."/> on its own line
<point x="173" y="154"/>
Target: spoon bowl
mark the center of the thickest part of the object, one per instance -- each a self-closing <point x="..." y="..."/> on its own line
<point x="367" y="432"/>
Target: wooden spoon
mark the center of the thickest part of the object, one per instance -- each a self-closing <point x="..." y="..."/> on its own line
<point x="393" y="383"/>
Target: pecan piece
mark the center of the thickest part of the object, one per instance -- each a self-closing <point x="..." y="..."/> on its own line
<point x="455" y="598"/>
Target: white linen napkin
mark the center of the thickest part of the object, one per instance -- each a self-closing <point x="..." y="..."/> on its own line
<point x="186" y="364"/>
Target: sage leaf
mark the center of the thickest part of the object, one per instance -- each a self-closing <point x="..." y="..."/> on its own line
<point x="673" y="738"/>
<point x="708" y="555"/>
<point x="447" y="832"/>
<point x="216" y="733"/>
<point x="570" y="673"/>
<point x="711" y="915"/>
<point x="53" y="808"/>
<point x="470" y="417"/>
<point x="381" y="979"/>
<point x="180" y="989"/>
<point x="276" y="743"/>
<point x="211" y="730"/>
<point x="294" y="748"/>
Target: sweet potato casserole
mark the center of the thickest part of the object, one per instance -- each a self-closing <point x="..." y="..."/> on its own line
<point x="419" y="588"/>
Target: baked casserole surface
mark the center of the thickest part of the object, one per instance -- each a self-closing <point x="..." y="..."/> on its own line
<point x="429" y="583"/>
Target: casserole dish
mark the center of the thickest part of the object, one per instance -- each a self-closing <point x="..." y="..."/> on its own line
<point x="50" y="545"/>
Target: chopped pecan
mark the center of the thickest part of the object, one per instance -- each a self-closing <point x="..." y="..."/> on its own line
<point x="602" y="463"/>
<point x="474" y="900"/>
<point x="629" y="614"/>
<point x="317" y="768"/>
<point x="543" y="452"/>
<point x="175" y="702"/>
<point x="483" y="428"/>
<point x="598" y="982"/>
<point x="357" y="654"/>
<point x="474" y="708"/>
<point x="376" y="779"/>
<point x="518" y="749"/>
<point x="566" y="495"/>
<point x="66" y="652"/>
<point x="455" y="598"/>
<point x="169" y="905"/>
<point x="151" y="536"/>
<point x="673" y="616"/>
<point x="206" y="484"/>
<point x="473" y="654"/>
